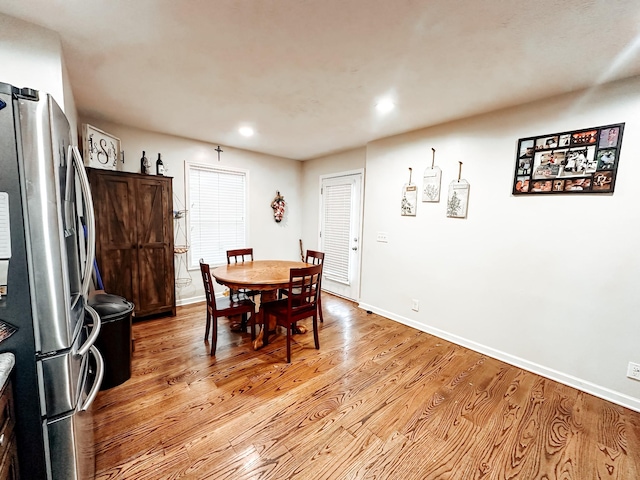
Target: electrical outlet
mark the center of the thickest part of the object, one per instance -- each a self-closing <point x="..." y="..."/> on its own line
<point x="415" y="305"/>
<point x="633" y="371"/>
<point x="382" y="237"/>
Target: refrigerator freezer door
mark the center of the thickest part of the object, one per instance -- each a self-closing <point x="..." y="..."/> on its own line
<point x="60" y="378"/>
<point x="70" y="448"/>
<point x="63" y="375"/>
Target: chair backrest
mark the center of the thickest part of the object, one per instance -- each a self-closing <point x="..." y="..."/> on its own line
<point x="208" y="284"/>
<point x="239" y="255"/>
<point x="314" y="257"/>
<point x="303" y="290"/>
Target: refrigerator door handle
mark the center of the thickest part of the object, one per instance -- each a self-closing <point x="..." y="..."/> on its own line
<point x="98" y="380"/>
<point x="95" y="330"/>
<point x="89" y="219"/>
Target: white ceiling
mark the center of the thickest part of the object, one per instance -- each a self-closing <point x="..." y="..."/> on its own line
<point x="307" y="73"/>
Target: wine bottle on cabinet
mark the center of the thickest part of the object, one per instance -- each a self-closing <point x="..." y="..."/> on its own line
<point x="159" y="166"/>
<point x="145" y="164"/>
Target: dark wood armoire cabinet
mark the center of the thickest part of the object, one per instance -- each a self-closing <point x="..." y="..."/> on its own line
<point x="134" y="238"/>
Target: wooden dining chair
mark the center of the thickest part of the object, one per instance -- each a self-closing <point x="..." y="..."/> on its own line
<point x="316" y="258"/>
<point x="241" y="255"/>
<point x="224" y="307"/>
<point x="303" y="292"/>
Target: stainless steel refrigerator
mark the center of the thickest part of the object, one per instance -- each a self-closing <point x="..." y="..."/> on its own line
<point x="47" y="246"/>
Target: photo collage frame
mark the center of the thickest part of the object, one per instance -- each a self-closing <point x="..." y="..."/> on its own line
<point x="579" y="161"/>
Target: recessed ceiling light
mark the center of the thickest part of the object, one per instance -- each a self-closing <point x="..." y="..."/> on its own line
<point x="385" y="105"/>
<point x="246" y="131"/>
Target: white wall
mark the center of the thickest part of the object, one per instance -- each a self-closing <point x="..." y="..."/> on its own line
<point x="31" y="56"/>
<point x="312" y="170"/>
<point x="266" y="175"/>
<point x="69" y="104"/>
<point x="549" y="283"/>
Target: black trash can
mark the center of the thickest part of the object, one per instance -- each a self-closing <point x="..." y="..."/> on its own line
<point x="114" y="339"/>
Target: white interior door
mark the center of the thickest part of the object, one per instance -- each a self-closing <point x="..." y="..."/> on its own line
<point x="340" y="228"/>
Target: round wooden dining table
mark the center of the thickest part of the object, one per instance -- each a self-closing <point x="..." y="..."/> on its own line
<point x="267" y="276"/>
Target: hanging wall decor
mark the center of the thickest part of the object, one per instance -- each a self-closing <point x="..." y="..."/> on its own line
<point x="409" y="203"/>
<point x="431" y="181"/>
<point x="458" y="199"/>
<point x="578" y="161"/>
<point x="278" y="205"/>
<point x="180" y="245"/>
<point x="100" y="149"/>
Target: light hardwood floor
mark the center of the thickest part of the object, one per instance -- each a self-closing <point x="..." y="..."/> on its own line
<point x="379" y="400"/>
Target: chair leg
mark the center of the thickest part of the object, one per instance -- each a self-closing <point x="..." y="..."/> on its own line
<point x="265" y="328"/>
<point x="214" y="337"/>
<point x="289" y="330"/>
<point x="320" y="308"/>
<point x="253" y="327"/>
<point x="208" y="327"/>
<point x="316" y="338"/>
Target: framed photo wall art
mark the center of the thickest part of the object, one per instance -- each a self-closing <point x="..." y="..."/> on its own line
<point x="579" y="161"/>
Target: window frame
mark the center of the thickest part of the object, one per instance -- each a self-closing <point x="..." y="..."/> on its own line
<point x="192" y="261"/>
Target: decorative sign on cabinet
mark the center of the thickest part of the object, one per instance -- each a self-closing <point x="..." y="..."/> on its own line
<point x="101" y="150"/>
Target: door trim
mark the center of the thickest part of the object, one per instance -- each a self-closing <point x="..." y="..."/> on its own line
<point x="346" y="173"/>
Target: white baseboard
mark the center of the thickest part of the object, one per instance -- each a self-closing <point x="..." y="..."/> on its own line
<point x="189" y="301"/>
<point x="196" y="299"/>
<point x="583" y="385"/>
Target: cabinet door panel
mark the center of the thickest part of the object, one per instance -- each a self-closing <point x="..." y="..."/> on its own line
<point x="155" y="255"/>
<point x="118" y="274"/>
<point x="116" y="245"/>
<point x="152" y="212"/>
<point x="115" y="213"/>
<point x="154" y="289"/>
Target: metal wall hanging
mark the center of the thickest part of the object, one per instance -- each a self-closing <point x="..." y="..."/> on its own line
<point x="579" y="161"/>
<point x="180" y="245"/>
<point x="409" y="203"/>
<point x="458" y="199"/>
<point x="431" y="181"/>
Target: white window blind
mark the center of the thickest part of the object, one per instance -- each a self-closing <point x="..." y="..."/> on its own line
<point x="336" y="232"/>
<point x="217" y="213"/>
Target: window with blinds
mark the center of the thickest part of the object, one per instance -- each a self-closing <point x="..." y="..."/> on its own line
<point x="336" y="232"/>
<point x="217" y="212"/>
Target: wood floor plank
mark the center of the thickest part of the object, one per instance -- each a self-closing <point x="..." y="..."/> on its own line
<point x="379" y="400"/>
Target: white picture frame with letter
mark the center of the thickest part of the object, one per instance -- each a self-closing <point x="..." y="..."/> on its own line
<point x="100" y="149"/>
